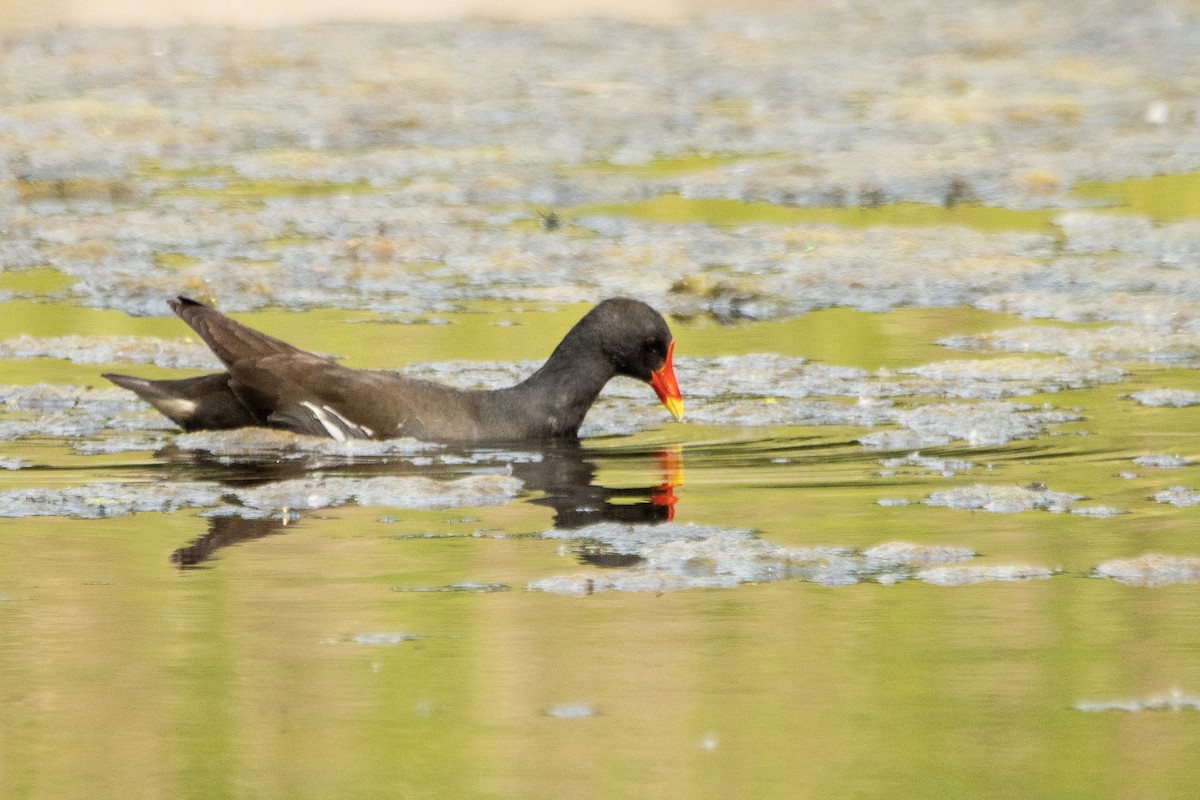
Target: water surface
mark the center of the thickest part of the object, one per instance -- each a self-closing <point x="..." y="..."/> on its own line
<point x="486" y="650"/>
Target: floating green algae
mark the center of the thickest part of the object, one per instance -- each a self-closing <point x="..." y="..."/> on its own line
<point x="224" y="183"/>
<point x="239" y="190"/>
<point x="35" y="280"/>
<point x="1162" y="198"/>
<point x="173" y="260"/>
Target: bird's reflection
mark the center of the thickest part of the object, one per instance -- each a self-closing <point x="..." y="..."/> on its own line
<point x="563" y="473"/>
<point x="222" y="532"/>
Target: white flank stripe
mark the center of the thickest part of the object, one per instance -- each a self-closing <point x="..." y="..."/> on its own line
<point x="348" y="423"/>
<point x="325" y="421"/>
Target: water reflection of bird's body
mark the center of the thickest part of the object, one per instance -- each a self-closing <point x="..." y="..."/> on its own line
<point x="564" y="473"/>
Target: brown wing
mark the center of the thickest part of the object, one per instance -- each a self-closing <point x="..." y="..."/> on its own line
<point x="297" y="390"/>
<point x="279" y="383"/>
<point x="318" y="397"/>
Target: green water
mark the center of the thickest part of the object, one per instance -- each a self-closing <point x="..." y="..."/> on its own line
<point x="255" y="675"/>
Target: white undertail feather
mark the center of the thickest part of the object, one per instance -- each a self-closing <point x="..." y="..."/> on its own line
<point x="177" y="407"/>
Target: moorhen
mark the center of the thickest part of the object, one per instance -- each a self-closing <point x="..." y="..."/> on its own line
<point x="270" y="383"/>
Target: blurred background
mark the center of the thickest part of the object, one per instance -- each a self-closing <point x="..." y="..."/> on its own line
<point x="25" y="13"/>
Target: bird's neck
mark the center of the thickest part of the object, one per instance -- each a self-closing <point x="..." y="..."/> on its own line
<point x="560" y="393"/>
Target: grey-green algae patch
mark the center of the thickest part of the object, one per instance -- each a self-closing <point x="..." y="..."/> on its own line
<point x="680" y="557"/>
<point x="1164" y="461"/>
<point x="112" y="350"/>
<point x="1151" y="569"/>
<point x="1170" y="398"/>
<point x="108" y="499"/>
<point x="295" y="190"/>
<point x="1004" y="499"/>
<point x="1163" y="344"/>
<point x="419" y="264"/>
<point x="677" y="557"/>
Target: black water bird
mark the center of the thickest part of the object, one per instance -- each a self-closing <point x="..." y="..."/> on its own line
<point x="270" y="383"/>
